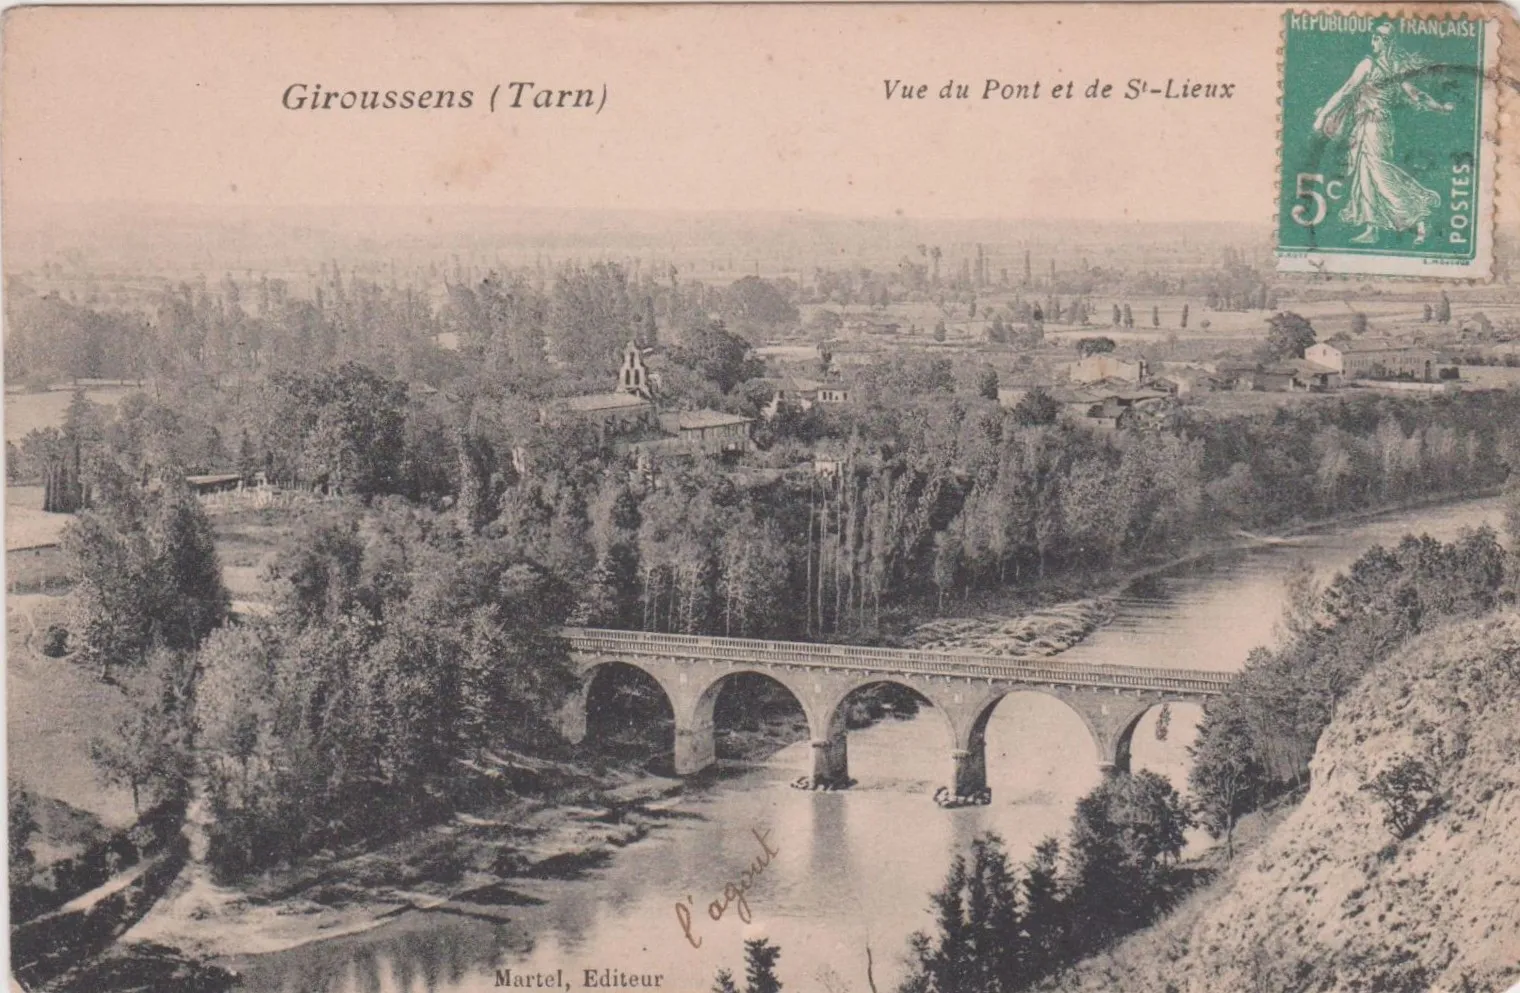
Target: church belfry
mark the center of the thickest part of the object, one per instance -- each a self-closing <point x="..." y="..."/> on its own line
<point x="633" y="377"/>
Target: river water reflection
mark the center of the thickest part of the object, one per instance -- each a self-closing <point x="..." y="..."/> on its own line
<point x="854" y="868"/>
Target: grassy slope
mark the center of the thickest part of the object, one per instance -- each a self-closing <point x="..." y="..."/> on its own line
<point x="1329" y="900"/>
<point x="53" y="708"/>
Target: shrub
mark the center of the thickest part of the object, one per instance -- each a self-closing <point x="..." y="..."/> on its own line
<point x="1408" y="794"/>
<point x="55" y="643"/>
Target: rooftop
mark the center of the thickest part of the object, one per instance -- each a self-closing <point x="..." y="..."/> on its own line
<point x="693" y="420"/>
<point x="605" y="401"/>
<point x="1370" y="345"/>
<point x="219" y="479"/>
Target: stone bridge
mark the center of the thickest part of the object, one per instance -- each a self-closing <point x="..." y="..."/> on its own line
<point x="692" y="670"/>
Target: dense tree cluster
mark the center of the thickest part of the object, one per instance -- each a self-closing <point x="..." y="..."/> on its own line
<point x="516" y="327"/>
<point x="145" y="575"/>
<point x="399" y="656"/>
<point x="1000" y="928"/>
<point x="1256" y="739"/>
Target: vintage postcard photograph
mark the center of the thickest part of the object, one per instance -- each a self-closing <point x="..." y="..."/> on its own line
<point x="822" y="498"/>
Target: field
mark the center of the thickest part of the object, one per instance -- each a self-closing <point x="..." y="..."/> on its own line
<point x="53" y="709"/>
<point x="27" y="412"/>
<point x="246" y="541"/>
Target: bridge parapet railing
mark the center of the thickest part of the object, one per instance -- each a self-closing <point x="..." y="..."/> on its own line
<point x="604" y="640"/>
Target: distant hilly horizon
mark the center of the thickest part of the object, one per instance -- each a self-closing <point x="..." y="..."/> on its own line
<point x="146" y="237"/>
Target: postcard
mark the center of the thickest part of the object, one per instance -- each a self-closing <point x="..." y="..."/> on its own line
<point x="825" y="498"/>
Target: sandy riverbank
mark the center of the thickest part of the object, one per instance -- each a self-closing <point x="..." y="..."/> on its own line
<point x="457" y="867"/>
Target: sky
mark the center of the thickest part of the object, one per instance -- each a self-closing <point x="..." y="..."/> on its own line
<point x="731" y="108"/>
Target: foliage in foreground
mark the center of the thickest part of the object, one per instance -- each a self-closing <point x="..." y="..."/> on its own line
<point x="759" y="970"/>
<point x="999" y="928"/>
<point x="1257" y="738"/>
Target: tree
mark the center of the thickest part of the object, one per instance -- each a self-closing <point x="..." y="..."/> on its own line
<point x="940" y="332"/>
<point x="1118" y="316"/>
<point x="1408" y="793"/>
<point x="723" y="982"/>
<point x="22" y="825"/>
<point x="145" y="573"/>
<point x="976" y="947"/>
<point x="1288" y="334"/>
<point x="1124" y="834"/>
<point x="1184" y="320"/>
<point x="760" y="966"/>
<point x="152" y="747"/>
<point x="1358" y="323"/>
<point x="1512" y="510"/>
<point x="1429" y="314"/>
<point x="987" y="384"/>
<point x="343" y="428"/>
<point x="1129" y="317"/>
<point x="758" y="303"/>
<point x="947" y="561"/>
<point x="1044" y="917"/>
<point x="591" y="315"/>
<point x="1095" y="346"/>
<point x="717" y="354"/>
<point x="1225" y="779"/>
<point x="1443" y="309"/>
<point x="1036" y="407"/>
<point x="1156" y="316"/>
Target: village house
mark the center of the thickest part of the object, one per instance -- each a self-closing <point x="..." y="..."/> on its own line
<point x="1183" y="379"/>
<point x="710" y="432"/>
<point x="225" y="482"/>
<point x="1293" y="375"/>
<point x="1096" y="368"/>
<point x="1107" y="407"/>
<point x="1373" y="358"/>
<point x="1009" y="396"/>
<point x="626" y="410"/>
<point x="803" y="392"/>
<point x="1235" y="375"/>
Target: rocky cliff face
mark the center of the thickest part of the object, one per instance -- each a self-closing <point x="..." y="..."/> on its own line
<point x="1408" y="882"/>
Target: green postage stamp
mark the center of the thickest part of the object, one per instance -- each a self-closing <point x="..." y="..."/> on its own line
<point x="1385" y="168"/>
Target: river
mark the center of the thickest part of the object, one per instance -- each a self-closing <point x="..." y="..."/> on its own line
<point x="853" y="869"/>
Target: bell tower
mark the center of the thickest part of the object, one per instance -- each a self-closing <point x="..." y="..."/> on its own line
<point x="633" y="377"/>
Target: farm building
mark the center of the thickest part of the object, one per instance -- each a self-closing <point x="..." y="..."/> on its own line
<point x="1374" y="358"/>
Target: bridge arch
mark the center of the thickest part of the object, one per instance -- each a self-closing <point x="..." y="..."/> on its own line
<point x="1123" y="743"/>
<point x="1110" y="718"/>
<point x="834" y="766"/>
<point x="700" y="723"/>
<point x="575" y="715"/>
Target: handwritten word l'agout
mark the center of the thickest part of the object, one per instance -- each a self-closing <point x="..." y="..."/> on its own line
<point x="734" y="893"/>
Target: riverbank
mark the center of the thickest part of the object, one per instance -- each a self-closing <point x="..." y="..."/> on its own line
<point x="458" y="867"/>
<point x="466" y="867"/>
<point x="1048" y="617"/>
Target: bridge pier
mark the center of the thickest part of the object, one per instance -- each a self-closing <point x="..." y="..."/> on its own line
<point x="970" y="765"/>
<point x="695" y="748"/>
<point x="831" y="763"/>
<point x="572" y="715"/>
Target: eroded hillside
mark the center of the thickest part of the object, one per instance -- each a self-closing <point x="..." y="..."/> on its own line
<point x="1339" y="898"/>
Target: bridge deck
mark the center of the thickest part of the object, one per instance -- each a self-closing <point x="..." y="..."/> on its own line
<point x="601" y="641"/>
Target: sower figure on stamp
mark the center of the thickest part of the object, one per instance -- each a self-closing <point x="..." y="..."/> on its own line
<point x="1382" y="196"/>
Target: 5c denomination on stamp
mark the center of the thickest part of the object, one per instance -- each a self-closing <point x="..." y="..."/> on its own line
<point x="1385" y="169"/>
